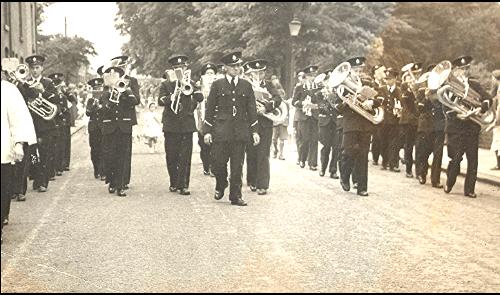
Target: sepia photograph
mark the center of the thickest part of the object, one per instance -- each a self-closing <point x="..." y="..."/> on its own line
<point x="243" y="147"/>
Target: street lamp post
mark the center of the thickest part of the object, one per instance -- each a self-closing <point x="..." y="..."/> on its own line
<point x="294" y="26"/>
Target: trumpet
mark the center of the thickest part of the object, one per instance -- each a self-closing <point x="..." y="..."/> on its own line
<point x="182" y="85"/>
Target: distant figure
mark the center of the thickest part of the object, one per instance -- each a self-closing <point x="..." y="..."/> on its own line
<point x="152" y="127"/>
<point x="495" y="145"/>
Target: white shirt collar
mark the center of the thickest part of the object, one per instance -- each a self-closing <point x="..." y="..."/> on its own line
<point x="228" y="77"/>
<point x="391" y="88"/>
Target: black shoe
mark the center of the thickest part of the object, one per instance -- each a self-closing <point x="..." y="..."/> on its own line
<point x="218" y="195"/>
<point x="438" y="185"/>
<point x="253" y="188"/>
<point x="334" y="175"/>
<point x="313" y="168"/>
<point x="13" y="197"/>
<point x="355" y="185"/>
<point x="302" y="164"/>
<point x="111" y="189"/>
<point x="322" y="173"/>
<point x="59" y="173"/>
<point x="375" y="163"/>
<point x="471" y="195"/>
<point x="121" y="193"/>
<point x="409" y="175"/>
<point x="6" y="221"/>
<point x="96" y="175"/>
<point x="261" y="191"/>
<point x="21" y="198"/>
<point x="275" y="155"/>
<point x="422" y="179"/>
<point x="363" y="193"/>
<point x="212" y="174"/>
<point x="172" y="189"/>
<point x="447" y="189"/>
<point x="281" y="157"/>
<point x="125" y="187"/>
<point x="345" y="185"/>
<point x="239" y="202"/>
<point x="66" y="168"/>
<point x="206" y="172"/>
<point x="184" y="192"/>
<point x="103" y="178"/>
<point x="383" y="168"/>
<point x="52" y="178"/>
<point x="298" y="163"/>
<point x="42" y="189"/>
<point x="396" y="169"/>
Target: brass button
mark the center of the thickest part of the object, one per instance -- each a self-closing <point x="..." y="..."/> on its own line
<point x="234" y="99"/>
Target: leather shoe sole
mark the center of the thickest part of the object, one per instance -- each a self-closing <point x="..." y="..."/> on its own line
<point x="261" y="191"/>
<point x="437" y="185"/>
<point x="21" y="198"/>
<point x="218" y="195"/>
<point x="121" y="193"/>
<point x="334" y="176"/>
<point x="253" y="188"/>
<point x="322" y="173"/>
<point x="184" y="192"/>
<point x="447" y="189"/>
<point x="363" y="194"/>
<point x="239" y="202"/>
<point x="42" y="189"/>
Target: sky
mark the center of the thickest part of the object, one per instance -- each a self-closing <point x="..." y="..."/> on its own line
<point x="93" y="21"/>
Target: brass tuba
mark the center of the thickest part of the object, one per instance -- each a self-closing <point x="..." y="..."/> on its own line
<point x="466" y="100"/>
<point x="346" y="81"/>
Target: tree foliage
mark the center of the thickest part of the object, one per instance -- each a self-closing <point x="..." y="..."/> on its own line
<point x="66" y="55"/>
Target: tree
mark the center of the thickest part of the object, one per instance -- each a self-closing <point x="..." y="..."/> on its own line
<point x="65" y="54"/>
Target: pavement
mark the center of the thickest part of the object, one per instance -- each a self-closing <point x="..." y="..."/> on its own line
<point x="306" y="234"/>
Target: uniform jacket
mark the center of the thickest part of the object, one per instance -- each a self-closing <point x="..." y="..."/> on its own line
<point x="135" y="88"/>
<point x="388" y="104"/>
<point x="93" y="111"/>
<point x="118" y="116"/>
<point x="327" y="113"/>
<point x="300" y="94"/>
<point x="352" y="121"/>
<point x="230" y="114"/>
<point x="183" y="121"/>
<point x="272" y="105"/>
<point x="409" y="112"/>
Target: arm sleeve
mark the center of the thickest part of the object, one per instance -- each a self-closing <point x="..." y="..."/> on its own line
<point x="20" y="121"/>
<point x="164" y="93"/>
<point x="208" y="124"/>
<point x="252" y="110"/>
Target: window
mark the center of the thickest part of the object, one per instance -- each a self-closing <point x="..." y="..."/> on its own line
<point x="21" y="29"/>
<point x="21" y="60"/>
<point x="6" y="15"/>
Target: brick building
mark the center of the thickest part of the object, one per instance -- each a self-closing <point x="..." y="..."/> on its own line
<point x="18" y="30"/>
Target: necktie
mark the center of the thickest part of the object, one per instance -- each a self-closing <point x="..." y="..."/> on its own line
<point x="233" y="82"/>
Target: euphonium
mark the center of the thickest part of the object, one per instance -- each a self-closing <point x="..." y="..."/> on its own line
<point x="467" y="100"/>
<point x="351" y="91"/>
<point x="43" y="108"/>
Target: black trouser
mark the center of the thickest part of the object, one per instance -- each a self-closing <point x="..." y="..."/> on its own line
<point x="355" y="147"/>
<point x="458" y="145"/>
<point x="389" y="147"/>
<point x="376" y="144"/>
<point x="60" y="150"/>
<point x="408" y="135"/>
<point x="298" y="140"/>
<point x="307" y="131"/>
<point x="6" y="189"/>
<point x="95" y="142"/>
<point x="128" y="162"/>
<point x="427" y="143"/>
<point x="222" y="152"/>
<point x="330" y="137"/>
<point x="204" y="153"/>
<point x="115" y="156"/>
<point x="67" y="146"/>
<point x="258" y="165"/>
<point x="46" y="150"/>
<point x="178" y="150"/>
<point x="21" y="170"/>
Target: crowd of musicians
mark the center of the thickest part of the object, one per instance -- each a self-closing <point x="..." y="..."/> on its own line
<point x="238" y="113"/>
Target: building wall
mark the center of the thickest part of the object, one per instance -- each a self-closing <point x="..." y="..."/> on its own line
<point x="18" y="31"/>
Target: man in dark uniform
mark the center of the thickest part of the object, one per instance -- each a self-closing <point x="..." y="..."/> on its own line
<point x="307" y="126"/>
<point x="62" y="120"/>
<point x="462" y="132"/>
<point x="258" y="165"/>
<point x="430" y="135"/>
<point x="356" y="141"/>
<point x="230" y="118"/>
<point x="408" y="120"/>
<point x="116" y="132"/>
<point x="208" y="73"/>
<point x="389" y="134"/>
<point x="123" y="62"/>
<point x="328" y="132"/>
<point x="296" y="116"/>
<point x="45" y="129"/>
<point x="179" y="125"/>
<point x="378" y="74"/>
<point x="92" y="110"/>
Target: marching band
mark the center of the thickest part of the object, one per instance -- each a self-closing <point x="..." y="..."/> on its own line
<point x="235" y="109"/>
